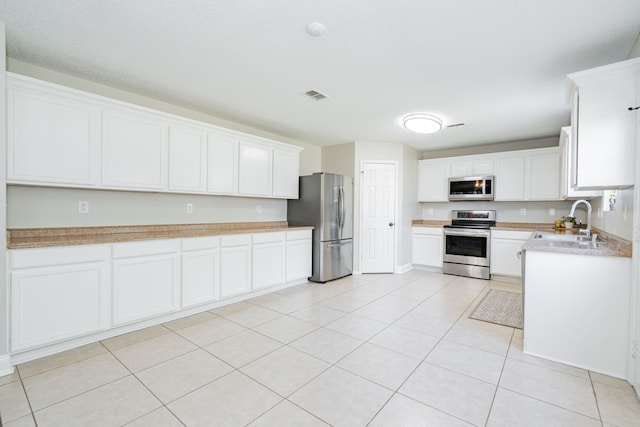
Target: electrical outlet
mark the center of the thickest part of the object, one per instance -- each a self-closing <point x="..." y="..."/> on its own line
<point x="523" y="211"/>
<point x="258" y="209"/>
<point x="634" y="349"/>
<point x="189" y="207"/>
<point x="552" y="212"/>
<point x="430" y="211"/>
<point x="83" y="207"/>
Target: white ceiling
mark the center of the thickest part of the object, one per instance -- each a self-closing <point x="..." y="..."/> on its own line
<point x="499" y="66"/>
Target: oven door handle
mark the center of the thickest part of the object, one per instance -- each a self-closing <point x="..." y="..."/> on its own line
<point x="468" y="232"/>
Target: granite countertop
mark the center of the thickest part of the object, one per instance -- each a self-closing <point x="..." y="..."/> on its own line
<point x="68" y="236"/>
<point x="610" y="246"/>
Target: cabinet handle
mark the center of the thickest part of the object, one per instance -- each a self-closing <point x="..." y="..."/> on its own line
<point x="633" y="108"/>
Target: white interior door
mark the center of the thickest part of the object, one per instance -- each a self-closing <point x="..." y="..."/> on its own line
<point x="378" y="207"/>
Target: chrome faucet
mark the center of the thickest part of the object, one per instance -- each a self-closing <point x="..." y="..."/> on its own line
<point x="587" y="231"/>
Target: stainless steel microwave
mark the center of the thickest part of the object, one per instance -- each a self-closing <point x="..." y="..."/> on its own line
<point x="472" y="187"/>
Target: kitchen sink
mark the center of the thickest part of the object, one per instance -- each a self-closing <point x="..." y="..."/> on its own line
<point x="566" y="237"/>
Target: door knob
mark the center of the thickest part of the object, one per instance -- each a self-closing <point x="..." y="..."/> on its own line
<point x="390" y="224"/>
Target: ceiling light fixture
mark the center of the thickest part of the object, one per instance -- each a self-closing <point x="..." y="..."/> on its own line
<point x="422" y="123"/>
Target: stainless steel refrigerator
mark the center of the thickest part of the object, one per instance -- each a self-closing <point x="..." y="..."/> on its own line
<point x="326" y="203"/>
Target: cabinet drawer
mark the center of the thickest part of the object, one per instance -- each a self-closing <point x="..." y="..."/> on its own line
<point x="268" y="237"/>
<point x="197" y="243"/>
<point x="511" y="235"/>
<point x="298" y="235"/>
<point x="235" y="240"/>
<point x="434" y="231"/>
<point x="42" y="257"/>
<point x="154" y="247"/>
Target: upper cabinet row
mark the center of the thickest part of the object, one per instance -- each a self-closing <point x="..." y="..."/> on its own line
<point x="604" y="121"/>
<point x="63" y="137"/>
<point x="519" y="175"/>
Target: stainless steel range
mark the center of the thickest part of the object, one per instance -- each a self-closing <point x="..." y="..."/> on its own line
<point x="467" y="243"/>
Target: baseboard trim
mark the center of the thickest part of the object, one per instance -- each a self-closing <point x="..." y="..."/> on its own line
<point x="5" y="365"/>
<point x="401" y="269"/>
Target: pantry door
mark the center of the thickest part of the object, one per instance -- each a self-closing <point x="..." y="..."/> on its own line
<point x="378" y="217"/>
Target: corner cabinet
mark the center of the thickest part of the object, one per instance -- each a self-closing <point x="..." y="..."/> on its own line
<point x="603" y="127"/>
<point x="63" y="137"/>
<point x="568" y="169"/>
<point x="505" y="248"/>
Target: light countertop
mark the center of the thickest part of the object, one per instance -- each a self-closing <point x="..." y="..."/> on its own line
<point x="67" y="236"/>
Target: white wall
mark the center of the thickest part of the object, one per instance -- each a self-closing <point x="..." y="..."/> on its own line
<point x="536" y="212"/>
<point x="339" y="159"/>
<point x="410" y="208"/>
<point x="41" y="207"/>
<point x="58" y="207"/>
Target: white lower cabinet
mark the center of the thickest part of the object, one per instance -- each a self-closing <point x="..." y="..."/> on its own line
<point x="426" y="243"/>
<point x="235" y="264"/>
<point x="57" y="294"/>
<point x="298" y="264"/>
<point x="63" y="293"/>
<point x="145" y="280"/>
<point x="268" y="259"/>
<point x="576" y="310"/>
<point x="200" y="270"/>
<point x="505" y="246"/>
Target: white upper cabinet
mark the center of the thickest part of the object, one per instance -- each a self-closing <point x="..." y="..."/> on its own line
<point x="471" y="167"/>
<point x="222" y="164"/>
<point x="568" y="169"/>
<point x="509" y="177"/>
<point x="187" y="159"/>
<point x="135" y="149"/>
<point x="433" y="178"/>
<point x="255" y="169"/>
<point x="542" y="174"/>
<point x="63" y="137"/>
<point x="53" y="136"/>
<point x="603" y="127"/>
<point x="286" y="166"/>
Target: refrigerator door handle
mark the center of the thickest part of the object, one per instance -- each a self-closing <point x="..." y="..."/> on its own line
<point x="341" y="212"/>
<point x="335" y="245"/>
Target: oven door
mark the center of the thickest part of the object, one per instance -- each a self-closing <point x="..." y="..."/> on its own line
<point x="467" y="246"/>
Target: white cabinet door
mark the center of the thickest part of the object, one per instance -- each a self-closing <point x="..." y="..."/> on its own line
<point x="426" y="246"/>
<point x="200" y="270"/>
<point x="53" y="136"/>
<point x="505" y="246"/>
<point x="510" y="176"/>
<point x="135" y="151"/>
<point x="235" y="264"/>
<point x="568" y="177"/>
<point x="222" y="164"/>
<point x="146" y="277"/>
<point x="255" y="172"/>
<point x="478" y="165"/>
<point x="56" y="303"/>
<point x="57" y="294"/>
<point x="298" y="264"/>
<point x="433" y="178"/>
<point x="286" y="165"/>
<point x="187" y="159"/>
<point x="268" y="259"/>
<point x="542" y="177"/>
<point x="605" y="129"/>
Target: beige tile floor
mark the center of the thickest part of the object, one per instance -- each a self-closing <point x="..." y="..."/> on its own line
<point x="376" y="350"/>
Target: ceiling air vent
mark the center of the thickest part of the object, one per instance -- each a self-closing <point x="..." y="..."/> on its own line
<point x="314" y="94"/>
<point x="455" y="125"/>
